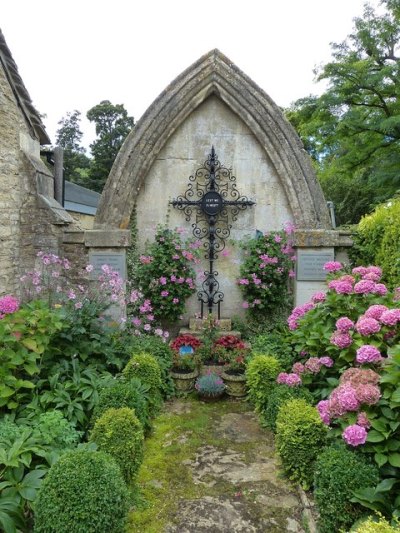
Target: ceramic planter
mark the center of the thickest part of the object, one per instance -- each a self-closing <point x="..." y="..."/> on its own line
<point x="184" y="381"/>
<point x="235" y="384"/>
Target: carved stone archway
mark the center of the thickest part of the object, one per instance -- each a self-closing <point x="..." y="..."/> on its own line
<point x="212" y="74"/>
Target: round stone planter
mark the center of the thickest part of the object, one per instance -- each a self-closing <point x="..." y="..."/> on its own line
<point x="184" y="381"/>
<point x="235" y="384"/>
<point x="208" y="398"/>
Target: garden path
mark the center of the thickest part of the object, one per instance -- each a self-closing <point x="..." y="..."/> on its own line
<point x="209" y="467"/>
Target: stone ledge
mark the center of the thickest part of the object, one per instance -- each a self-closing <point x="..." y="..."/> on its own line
<point x="74" y="237"/>
<point x="100" y="238"/>
<point x="313" y="238"/>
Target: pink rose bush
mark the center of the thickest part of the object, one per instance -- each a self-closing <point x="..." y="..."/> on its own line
<point x="268" y="264"/>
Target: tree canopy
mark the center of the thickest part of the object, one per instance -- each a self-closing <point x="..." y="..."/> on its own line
<point x="112" y="126"/>
<point x="352" y="131"/>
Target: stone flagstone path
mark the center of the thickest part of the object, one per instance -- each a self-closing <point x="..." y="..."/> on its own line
<point x="235" y="473"/>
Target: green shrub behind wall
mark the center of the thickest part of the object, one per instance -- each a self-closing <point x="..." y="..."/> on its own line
<point x="338" y="472"/>
<point x="377" y="241"/>
<point x="84" y="492"/>
<point x="300" y="435"/>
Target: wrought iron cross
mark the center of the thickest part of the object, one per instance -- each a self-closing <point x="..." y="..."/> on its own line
<point x="210" y="192"/>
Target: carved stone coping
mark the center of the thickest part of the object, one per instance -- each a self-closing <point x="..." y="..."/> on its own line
<point x="107" y="238"/>
<point x="315" y="238"/>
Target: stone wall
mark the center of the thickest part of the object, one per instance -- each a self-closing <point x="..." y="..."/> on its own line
<point x="213" y="123"/>
<point x="30" y="220"/>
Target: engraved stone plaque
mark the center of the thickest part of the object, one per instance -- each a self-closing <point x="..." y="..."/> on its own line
<point x="310" y="264"/>
<point x="115" y="260"/>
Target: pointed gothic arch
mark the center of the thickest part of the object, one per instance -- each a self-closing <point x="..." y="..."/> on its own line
<point x="213" y="74"/>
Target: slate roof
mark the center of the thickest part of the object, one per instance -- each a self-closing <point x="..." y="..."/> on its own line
<point x="21" y="94"/>
<point x="80" y="199"/>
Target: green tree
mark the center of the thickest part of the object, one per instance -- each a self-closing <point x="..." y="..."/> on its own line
<point x="69" y="136"/>
<point x="112" y="126"/>
<point x="352" y="131"/>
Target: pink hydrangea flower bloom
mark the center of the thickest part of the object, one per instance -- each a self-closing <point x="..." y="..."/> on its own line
<point x="355" y="435"/>
<point x="368" y="354"/>
<point x="341" y="340"/>
<point x="341" y="287"/>
<point x="326" y="361"/>
<point x="298" y="368"/>
<point x="360" y="270"/>
<point x="344" y="324"/>
<point x="333" y="266"/>
<point x="375" y="311"/>
<point x="374" y="270"/>
<point x="367" y="326"/>
<point x="357" y="376"/>
<point x="293" y="380"/>
<point x="362" y="420"/>
<point x="318" y="297"/>
<point x="364" y="286"/>
<point x="368" y="393"/>
<point x="390" y="317"/>
<point x="313" y="365"/>
<point x="380" y="289"/>
<point x="8" y="304"/>
<point x="297" y="313"/>
<point x="323" y="410"/>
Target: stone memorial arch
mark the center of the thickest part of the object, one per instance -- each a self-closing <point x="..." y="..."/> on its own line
<point x="213" y="103"/>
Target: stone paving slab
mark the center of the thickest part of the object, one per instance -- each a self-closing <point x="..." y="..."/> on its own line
<point x="254" y="498"/>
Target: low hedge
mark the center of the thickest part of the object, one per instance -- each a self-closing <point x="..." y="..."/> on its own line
<point x="300" y="435"/>
<point x="338" y="473"/>
<point x="120" y="433"/>
<point x="83" y="492"/>
<point x="279" y="395"/>
<point x="146" y="368"/>
<point x="124" y="393"/>
<point x="261" y="374"/>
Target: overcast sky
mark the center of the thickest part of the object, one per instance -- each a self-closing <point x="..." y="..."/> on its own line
<point x="75" y="53"/>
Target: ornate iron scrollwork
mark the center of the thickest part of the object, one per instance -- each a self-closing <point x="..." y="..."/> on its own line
<point x="211" y="191"/>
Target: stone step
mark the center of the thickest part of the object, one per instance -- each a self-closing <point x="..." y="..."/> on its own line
<point x="197" y="324"/>
<point x="199" y="333"/>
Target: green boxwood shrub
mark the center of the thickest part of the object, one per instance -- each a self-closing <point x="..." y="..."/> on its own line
<point x="124" y="393"/>
<point x="279" y="395"/>
<point x="83" y="492"/>
<point x="161" y="350"/>
<point x="372" y="525"/>
<point x="261" y="374"/>
<point x="120" y="433"/>
<point x="339" y="472"/>
<point x="300" y="435"/>
<point x="145" y="367"/>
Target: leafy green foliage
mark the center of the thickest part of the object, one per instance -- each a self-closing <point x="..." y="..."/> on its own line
<point x="69" y="137"/>
<point x="24" y="336"/>
<point x="338" y="472"/>
<point x="261" y="373"/>
<point x="120" y="393"/>
<point x="120" y="433"/>
<point x="300" y="435"/>
<point x="84" y="492"/>
<point x="73" y="389"/>
<point x="112" y="127"/>
<point x="352" y="130"/>
<point x="145" y="367"/>
<point x="377" y="241"/>
<point x="276" y="344"/>
<point x="279" y="395"/>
